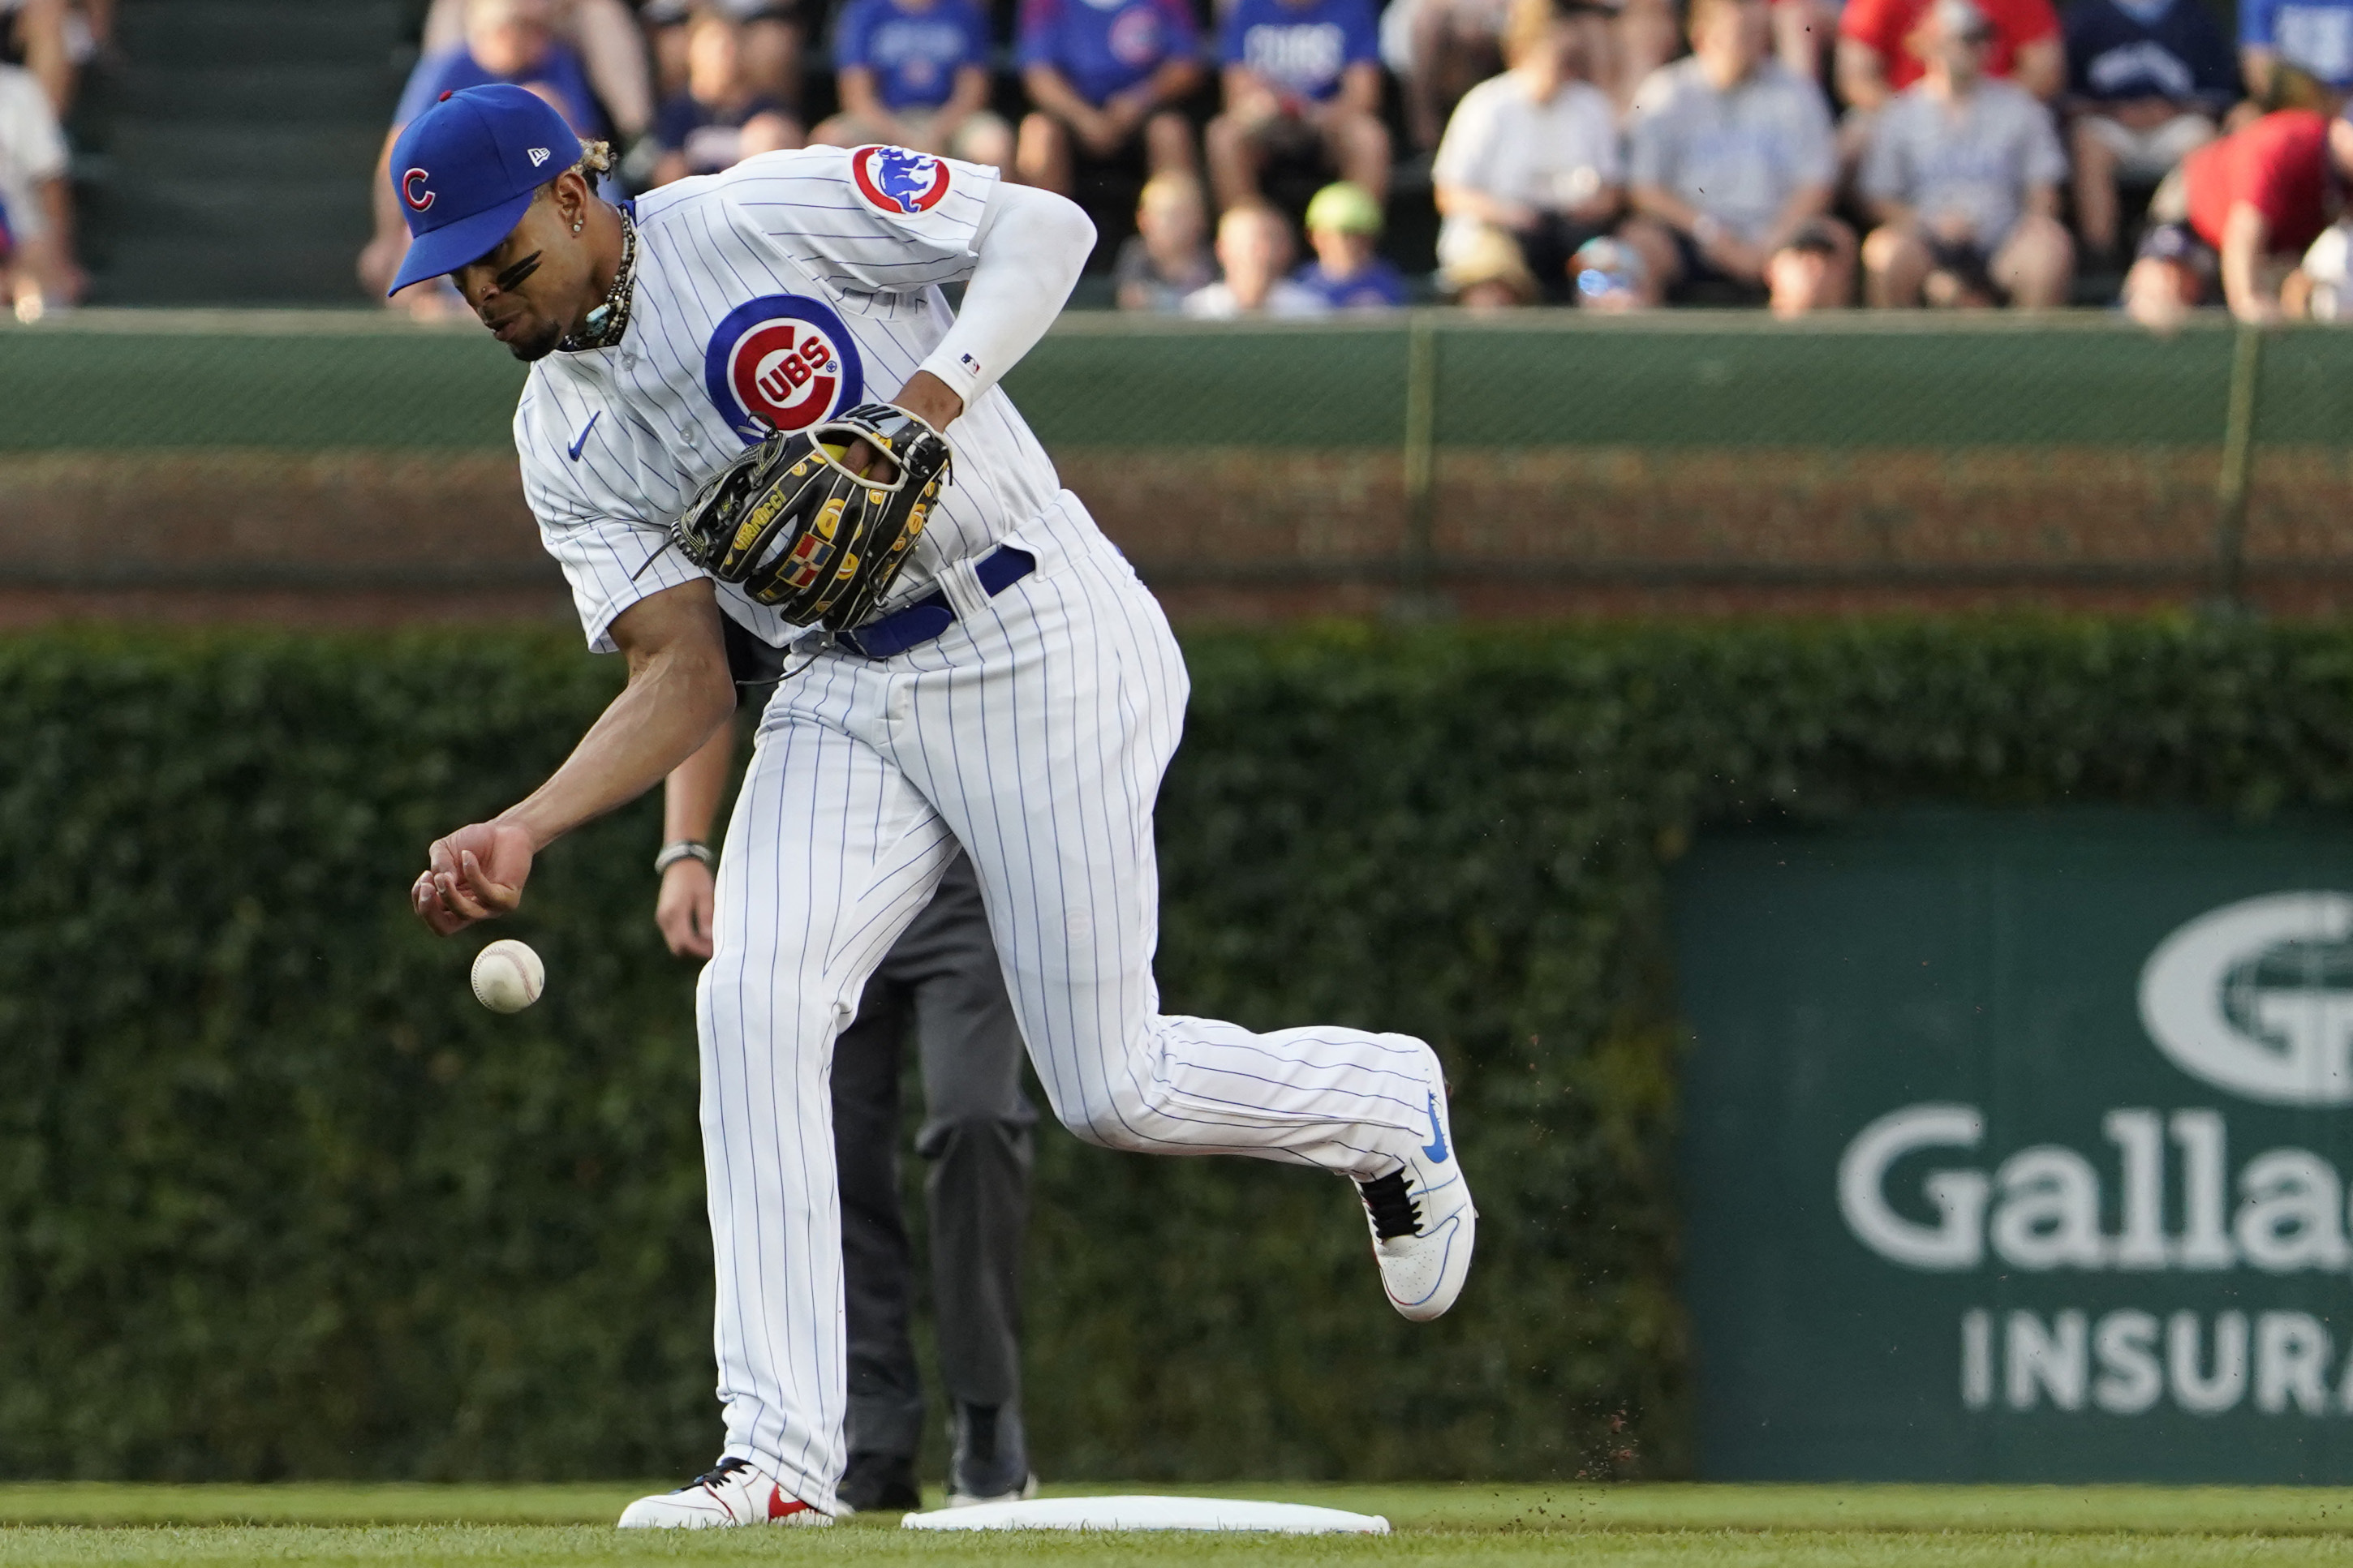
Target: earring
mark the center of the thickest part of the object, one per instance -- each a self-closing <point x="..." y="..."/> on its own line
<point x="575" y="226"/>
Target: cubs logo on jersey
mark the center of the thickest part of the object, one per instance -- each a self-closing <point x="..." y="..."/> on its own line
<point x="782" y="361"/>
<point x="894" y="181"/>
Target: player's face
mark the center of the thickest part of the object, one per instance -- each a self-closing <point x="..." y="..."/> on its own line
<point x="537" y="284"/>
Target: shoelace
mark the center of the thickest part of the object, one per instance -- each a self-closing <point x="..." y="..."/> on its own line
<point x="718" y="1475"/>
<point x="1394" y="1212"/>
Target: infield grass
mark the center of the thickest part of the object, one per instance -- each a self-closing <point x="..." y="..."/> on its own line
<point x="89" y="1525"/>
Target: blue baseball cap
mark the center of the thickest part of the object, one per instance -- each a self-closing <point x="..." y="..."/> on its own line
<point x="465" y="170"/>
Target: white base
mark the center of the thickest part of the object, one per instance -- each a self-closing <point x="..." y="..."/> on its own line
<point x="1150" y="1514"/>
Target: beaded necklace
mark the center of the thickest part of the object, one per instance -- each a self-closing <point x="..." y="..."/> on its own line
<point x="602" y="327"/>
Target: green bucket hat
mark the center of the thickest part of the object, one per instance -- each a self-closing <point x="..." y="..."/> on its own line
<point x="1350" y="208"/>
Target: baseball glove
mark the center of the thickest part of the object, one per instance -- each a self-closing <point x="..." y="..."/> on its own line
<point x="796" y="529"/>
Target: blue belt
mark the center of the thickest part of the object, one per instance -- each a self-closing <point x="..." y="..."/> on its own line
<point x="932" y="615"/>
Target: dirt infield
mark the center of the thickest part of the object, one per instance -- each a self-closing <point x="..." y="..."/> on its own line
<point x="1247" y="533"/>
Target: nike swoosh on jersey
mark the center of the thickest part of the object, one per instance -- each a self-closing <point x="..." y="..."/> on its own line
<point x="1436" y="1147"/>
<point x="574" y="447"/>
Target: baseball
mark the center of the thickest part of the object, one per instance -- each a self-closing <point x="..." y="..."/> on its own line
<point x="507" y="977"/>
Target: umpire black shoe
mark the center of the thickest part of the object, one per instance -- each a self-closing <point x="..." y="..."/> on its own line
<point x="874" y="1483"/>
<point x="991" y="1462"/>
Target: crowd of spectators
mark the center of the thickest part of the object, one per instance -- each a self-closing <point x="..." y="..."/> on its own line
<point x="44" y="45"/>
<point x="1612" y="154"/>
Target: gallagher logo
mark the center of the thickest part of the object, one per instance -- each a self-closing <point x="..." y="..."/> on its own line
<point x="413" y="191"/>
<point x="781" y="362"/>
<point x="2256" y="997"/>
<point x="897" y="181"/>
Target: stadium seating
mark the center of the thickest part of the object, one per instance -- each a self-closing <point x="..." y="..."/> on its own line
<point x="240" y="134"/>
<point x="222" y="151"/>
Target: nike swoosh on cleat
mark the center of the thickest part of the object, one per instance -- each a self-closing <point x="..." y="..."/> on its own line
<point x="1436" y="1147"/>
<point x="574" y="447"/>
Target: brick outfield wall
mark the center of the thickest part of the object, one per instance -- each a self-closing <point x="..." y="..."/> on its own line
<point x="1249" y="534"/>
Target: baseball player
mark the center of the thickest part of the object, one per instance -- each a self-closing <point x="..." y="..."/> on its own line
<point x="974" y="665"/>
<point x="943" y="977"/>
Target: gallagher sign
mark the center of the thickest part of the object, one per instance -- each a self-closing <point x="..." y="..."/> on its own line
<point x="2016" y="1147"/>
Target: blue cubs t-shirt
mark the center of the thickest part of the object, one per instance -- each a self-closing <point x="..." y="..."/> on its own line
<point x="709" y="139"/>
<point x="454" y="70"/>
<point x="1105" y="47"/>
<point x="1379" y="287"/>
<point x="2316" y="35"/>
<point x="913" y="51"/>
<point x="1303" y="48"/>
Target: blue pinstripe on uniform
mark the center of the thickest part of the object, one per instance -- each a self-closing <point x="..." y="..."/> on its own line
<point x="1034" y="733"/>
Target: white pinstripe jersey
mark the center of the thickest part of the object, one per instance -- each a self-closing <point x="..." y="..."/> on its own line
<point x="788" y="289"/>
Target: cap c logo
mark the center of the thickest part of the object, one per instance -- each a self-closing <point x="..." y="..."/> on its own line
<point x="413" y="191"/>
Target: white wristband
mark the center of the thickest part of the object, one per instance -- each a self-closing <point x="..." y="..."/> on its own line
<point x="683" y="849"/>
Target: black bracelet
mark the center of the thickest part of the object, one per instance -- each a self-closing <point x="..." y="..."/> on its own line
<point x="683" y="849"/>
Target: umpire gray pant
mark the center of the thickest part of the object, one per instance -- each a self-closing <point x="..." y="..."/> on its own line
<point x="943" y="977"/>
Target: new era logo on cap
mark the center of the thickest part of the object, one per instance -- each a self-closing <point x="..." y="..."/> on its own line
<point x="539" y="155"/>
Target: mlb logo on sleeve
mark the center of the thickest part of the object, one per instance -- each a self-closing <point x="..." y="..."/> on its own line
<point x="897" y="183"/>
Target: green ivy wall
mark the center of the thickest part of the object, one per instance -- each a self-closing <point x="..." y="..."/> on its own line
<point x="277" y="1199"/>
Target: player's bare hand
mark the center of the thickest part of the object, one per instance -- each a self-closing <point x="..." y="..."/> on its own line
<point x="683" y="911"/>
<point x="867" y="463"/>
<point x="475" y="874"/>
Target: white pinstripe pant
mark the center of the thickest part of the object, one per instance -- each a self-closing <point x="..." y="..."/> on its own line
<point x="1034" y="732"/>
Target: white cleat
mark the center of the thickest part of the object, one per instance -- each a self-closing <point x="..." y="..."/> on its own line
<point x="1423" y="1222"/>
<point x="735" y="1492"/>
